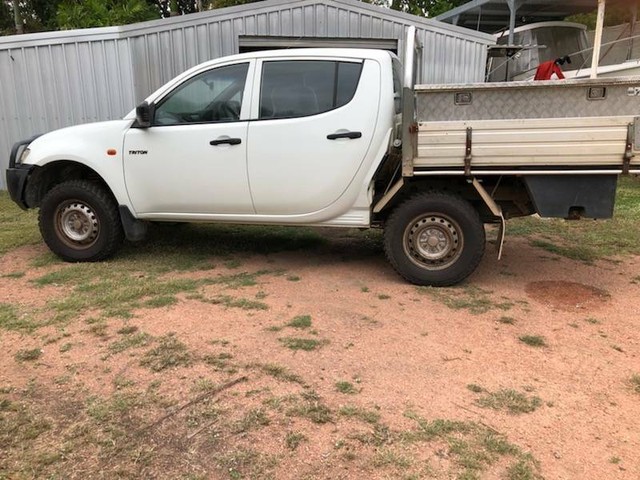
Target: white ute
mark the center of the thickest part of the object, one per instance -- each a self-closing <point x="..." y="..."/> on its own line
<point x="334" y="137"/>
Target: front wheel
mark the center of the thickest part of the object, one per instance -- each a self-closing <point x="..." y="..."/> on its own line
<point x="79" y="221"/>
<point x="434" y="239"/>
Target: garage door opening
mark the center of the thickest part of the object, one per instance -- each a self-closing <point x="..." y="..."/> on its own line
<point x="258" y="43"/>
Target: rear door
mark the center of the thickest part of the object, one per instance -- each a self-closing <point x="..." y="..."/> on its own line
<point x="314" y="122"/>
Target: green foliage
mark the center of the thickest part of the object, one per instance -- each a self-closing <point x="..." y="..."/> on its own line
<point x="614" y="15"/>
<point x="425" y="8"/>
<point x="97" y="13"/>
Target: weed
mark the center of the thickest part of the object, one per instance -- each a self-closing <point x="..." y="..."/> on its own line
<point x="306" y="344"/>
<point x="636" y="280"/>
<point x="246" y="463"/>
<point x="389" y="458"/>
<point x="220" y="363"/>
<point x="132" y="340"/>
<point x="533" y="340"/>
<point x="293" y="278"/>
<point x="14" y="275"/>
<point x="28" y="355"/>
<point x="509" y="400"/>
<point x="301" y="321"/>
<point x="384" y="296"/>
<point x="346" y="388"/>
<point x="65" y="347"/>
<point x="232" y="302"/>
<point x="615" y="460"/>
<point x="310" y="407"/>
<point x="507" y="320"/>
<point x="252" y="420"/>
<point x="238" y="280"/>
<point x="279" y="372"/>
<point x="294" y="439"/>
<point x="170" y="352"/>
<point x="523" y="469"/>
<point x="351" y="411"/>
<point x="475" y="388"/>
<point x="364" y="289"/>
<point x="128" y="330"/>
<point x="161" y="301"/>
<point x="635" y="382"/>
<point x="473" y="299"/>
<point x="592" y="321"/>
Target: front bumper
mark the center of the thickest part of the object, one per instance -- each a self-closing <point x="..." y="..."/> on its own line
<point x="16" y="182"/>
<point x="17" y="174"/>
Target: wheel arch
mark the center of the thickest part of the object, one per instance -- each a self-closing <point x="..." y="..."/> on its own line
<point x="44" y="178"/>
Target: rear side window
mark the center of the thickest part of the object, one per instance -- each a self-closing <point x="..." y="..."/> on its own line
<point x="299" y="88"/>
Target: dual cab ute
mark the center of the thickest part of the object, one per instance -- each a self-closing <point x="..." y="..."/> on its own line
<point x="334" y="137"/>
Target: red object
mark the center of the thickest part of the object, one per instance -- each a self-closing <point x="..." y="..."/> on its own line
<point x="546" y="70"/>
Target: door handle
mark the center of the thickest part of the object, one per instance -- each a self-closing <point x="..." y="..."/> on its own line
<point x="227" y="141"/>
<point x="352" y="135"/>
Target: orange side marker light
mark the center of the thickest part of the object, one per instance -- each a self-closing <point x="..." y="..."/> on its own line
<point x="111" y="152"/>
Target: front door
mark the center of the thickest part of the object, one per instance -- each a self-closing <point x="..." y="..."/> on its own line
<point x="193" y="159"/>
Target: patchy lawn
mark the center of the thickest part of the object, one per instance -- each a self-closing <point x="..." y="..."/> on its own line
<point x="253" y="352"/>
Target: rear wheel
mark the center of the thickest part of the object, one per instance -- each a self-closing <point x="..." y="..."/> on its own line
<point x="434" y="239"/>
<point x="79" y="221"/>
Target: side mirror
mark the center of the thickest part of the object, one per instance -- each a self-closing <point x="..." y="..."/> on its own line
<point x="144" y="114"/>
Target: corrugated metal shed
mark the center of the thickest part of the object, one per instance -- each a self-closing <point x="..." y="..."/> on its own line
<point x="55" y="79"/>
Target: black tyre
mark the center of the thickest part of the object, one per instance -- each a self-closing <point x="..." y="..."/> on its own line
<point x="79" y="221"/>
<point x="434" y="239"/>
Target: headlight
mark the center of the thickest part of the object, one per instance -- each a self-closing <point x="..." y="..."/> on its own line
<point x="23" y="156"/>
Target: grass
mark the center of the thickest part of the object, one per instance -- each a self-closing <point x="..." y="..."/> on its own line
<point x="306" y="344"/>
<point x="233" y="302"/>
<point x="19" y="228"/>
<point x="533" y="340"/>
<point x="239" y="280"/>
<point x="19" y="321"/>
<point x="169" y="353"/>
<point x="300" y="321"/>
<point x="507" y="320"/>
<point x="252" y="420"/>
<point x="346" y="388"/>
<point x="279" y="372"/>
<point x="472" y="447"/>
<point x="362" y="414"/>
<point x="634" y="381"/>
<point x="510" y="401"/>
<point x="589" y="240"/>
<point x="294" y="439"/>
<point x="28" y="355"/>
<point x="474" y="299"/>
<point x="310" y="406"/>
<point x="130" y="340"/>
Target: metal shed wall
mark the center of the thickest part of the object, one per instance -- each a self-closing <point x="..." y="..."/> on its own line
<point x="55" y="79"/>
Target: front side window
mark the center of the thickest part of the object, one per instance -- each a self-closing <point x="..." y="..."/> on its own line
<point x="298" y="88"/>
<point x="212" y="96"/>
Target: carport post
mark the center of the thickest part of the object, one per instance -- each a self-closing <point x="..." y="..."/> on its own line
<point x="597" y="42"/>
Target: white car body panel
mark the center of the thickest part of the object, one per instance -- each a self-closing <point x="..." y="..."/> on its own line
<point x="209" y="183"/>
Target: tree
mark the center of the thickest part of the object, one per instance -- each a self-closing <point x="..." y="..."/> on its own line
<point x="6" y="18"/>
<point x="100" y="13"/>
<point x="614" y="15"/>
<point x="425" y="8"/>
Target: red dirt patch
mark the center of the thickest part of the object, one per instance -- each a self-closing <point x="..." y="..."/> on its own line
<point x="567" y="296"/>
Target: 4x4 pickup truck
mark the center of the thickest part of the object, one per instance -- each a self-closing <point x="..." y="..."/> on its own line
<point x="335" y="137"/>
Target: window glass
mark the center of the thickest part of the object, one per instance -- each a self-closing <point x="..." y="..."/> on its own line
<point x="212" y="96"/>
<point x="298" y="88"/>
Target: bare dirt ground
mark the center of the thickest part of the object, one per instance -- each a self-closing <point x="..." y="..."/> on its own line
<point x="341" y="370"/>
